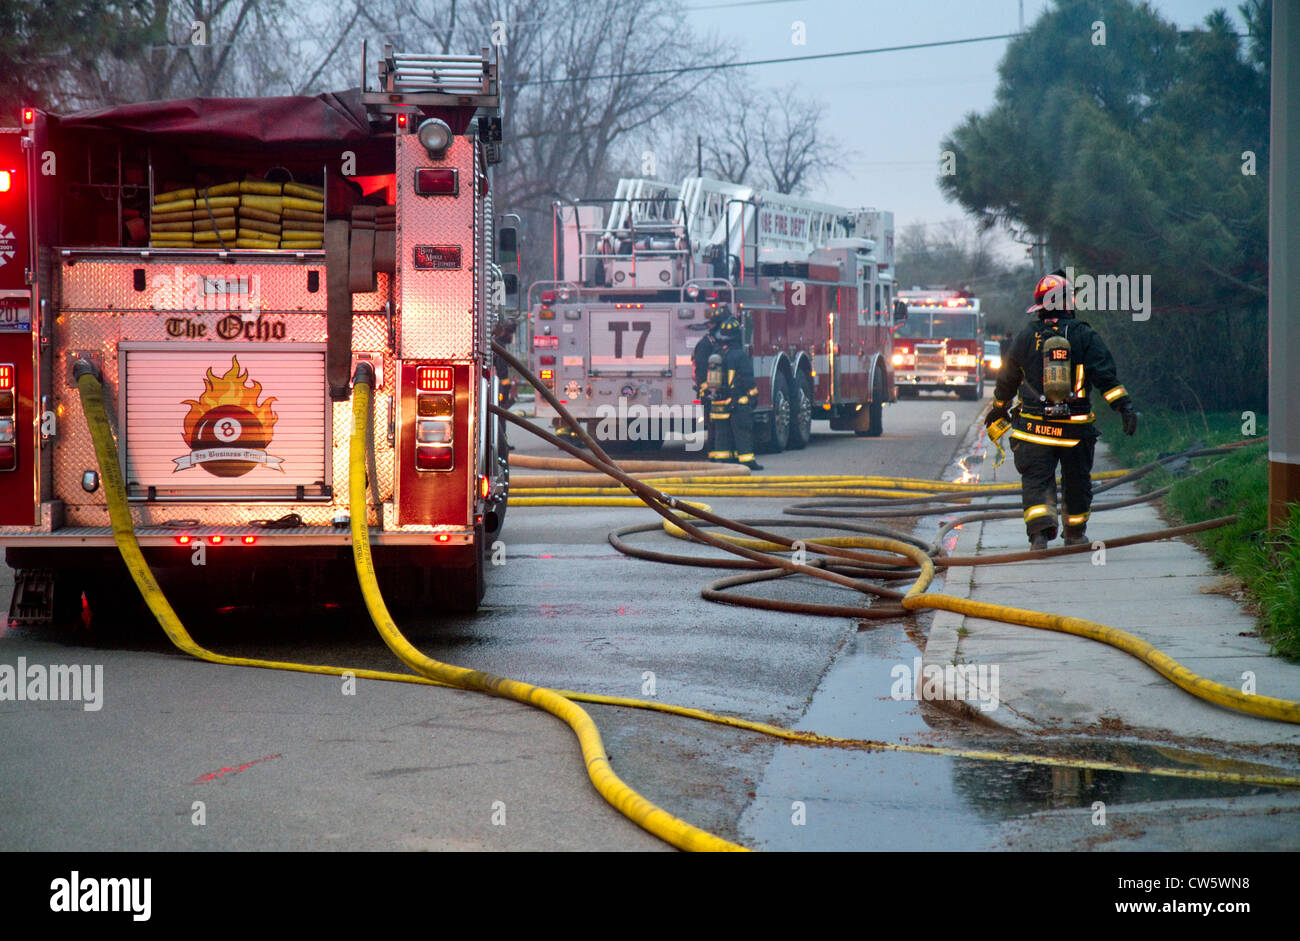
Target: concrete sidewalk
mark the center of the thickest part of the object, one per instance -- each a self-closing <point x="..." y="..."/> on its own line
<point x="1157" y="591"/>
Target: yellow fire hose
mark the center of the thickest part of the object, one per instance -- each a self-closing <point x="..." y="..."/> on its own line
<point x="627" y="801"/>
<point x="674" y="831"/>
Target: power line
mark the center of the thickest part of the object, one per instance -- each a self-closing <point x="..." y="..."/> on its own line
<point x="681" y="70"/>
<point x="740" y="3"/>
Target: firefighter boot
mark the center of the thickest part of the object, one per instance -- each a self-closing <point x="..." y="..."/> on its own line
<point x="753" y="465"/>
<point x="1039" y="540"/>
<point x="1076" y="535"/>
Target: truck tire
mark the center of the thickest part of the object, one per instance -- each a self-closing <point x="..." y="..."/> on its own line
<point x="779" y="424"/>
<point x="871" y="417"/>
<point x="801" y="409"/>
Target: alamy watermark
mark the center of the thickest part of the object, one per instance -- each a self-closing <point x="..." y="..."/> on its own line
<point x="36" y="682"/>
<point x="932" y="682"/>
<point x="1104" y="292"/>
<point x="78" y="894"/>
<point x="636" y="422"/>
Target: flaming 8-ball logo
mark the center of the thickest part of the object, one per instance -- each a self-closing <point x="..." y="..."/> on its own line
<point x="227" y="428"/>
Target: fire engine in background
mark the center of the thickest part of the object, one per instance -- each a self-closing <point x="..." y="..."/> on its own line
<point x="940" y="344"/>
<point x="224" y="265"/>
<point x="637" y="278"/>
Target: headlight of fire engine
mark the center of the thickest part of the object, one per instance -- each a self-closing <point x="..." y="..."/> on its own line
<point x="693" y="291"/>
<point x="995" y="362"/>
<point x="435" y="134"/>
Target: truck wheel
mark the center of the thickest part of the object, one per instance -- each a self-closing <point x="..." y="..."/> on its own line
<point x="779" y="438"/>
<point x="871" y="417"/>
<point x="801" y="413"/>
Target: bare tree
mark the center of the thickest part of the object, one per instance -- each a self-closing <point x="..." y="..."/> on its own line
<point x="797" y="152"/>
<point x="731" y="139"/>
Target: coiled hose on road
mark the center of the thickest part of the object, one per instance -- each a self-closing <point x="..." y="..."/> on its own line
<point x="676" y="832"/>
<point x="916" y="598"/>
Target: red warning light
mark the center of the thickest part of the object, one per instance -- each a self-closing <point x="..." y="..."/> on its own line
<point x="6" y="181"/>
<point x="402" y="119"/>
<point x="183" y="540"/>
<point x="249" y="540"/>
<point x="216" y="540"/>
<point x="6" y="376"/>
<point x="29" y="115"/>
<point x="433" y="379"/>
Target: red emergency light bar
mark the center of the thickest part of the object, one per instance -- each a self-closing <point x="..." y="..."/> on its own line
<point x="434" y="378"/>
<point x="938" y="302"/>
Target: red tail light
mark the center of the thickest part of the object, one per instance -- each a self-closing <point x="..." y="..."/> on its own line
<point x="29" y="115"/>
<point x="437" y="181"/>
<point x="433" y="379"/>
<point x="435" y="414"/>
<point x="434" y="457"/>
<point x="8" y="419"/>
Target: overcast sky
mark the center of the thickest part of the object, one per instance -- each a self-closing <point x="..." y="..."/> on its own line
<point x="890" y="110"/>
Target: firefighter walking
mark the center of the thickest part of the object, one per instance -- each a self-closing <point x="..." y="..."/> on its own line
<point x="1053" y="365"/>
<point x="730" y="387"/>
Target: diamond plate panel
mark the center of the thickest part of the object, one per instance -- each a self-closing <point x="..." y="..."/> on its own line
<point x="73" y="450"/>
<point x="437" y="307"/>
<point x="102" y="284"/>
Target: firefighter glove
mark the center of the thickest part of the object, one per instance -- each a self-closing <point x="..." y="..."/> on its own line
<point x="1130" y="419"/>
<point x="996" y="412"/>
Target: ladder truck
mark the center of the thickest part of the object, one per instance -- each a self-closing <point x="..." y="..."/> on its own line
<point x="638" y="277"/>
<point x="223" y="266"/>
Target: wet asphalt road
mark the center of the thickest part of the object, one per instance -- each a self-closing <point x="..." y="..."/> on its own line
<point x="271" y="760"/>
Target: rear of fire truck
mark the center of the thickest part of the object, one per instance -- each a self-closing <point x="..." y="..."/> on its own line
<point x="223" y="267"/>
<point x="613" y="333"/>
<point x="939" y="347"/>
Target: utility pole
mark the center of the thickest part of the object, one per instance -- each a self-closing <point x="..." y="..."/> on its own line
<point x="1284" y="267"/>
<point x="699" y="155"/>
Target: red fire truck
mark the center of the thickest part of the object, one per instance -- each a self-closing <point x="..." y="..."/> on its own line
<point x="224" y="265"/>
<point x="940" y="344"/>
<point x="637" y="277"/>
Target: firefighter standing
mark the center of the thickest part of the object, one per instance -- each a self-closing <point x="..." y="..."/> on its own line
<point x="1054" y="364"/>
<point x="730" y="386"/>
<point x="706" y="347"/>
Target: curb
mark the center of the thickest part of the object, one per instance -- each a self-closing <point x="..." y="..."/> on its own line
<point x="944" y="638"/>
